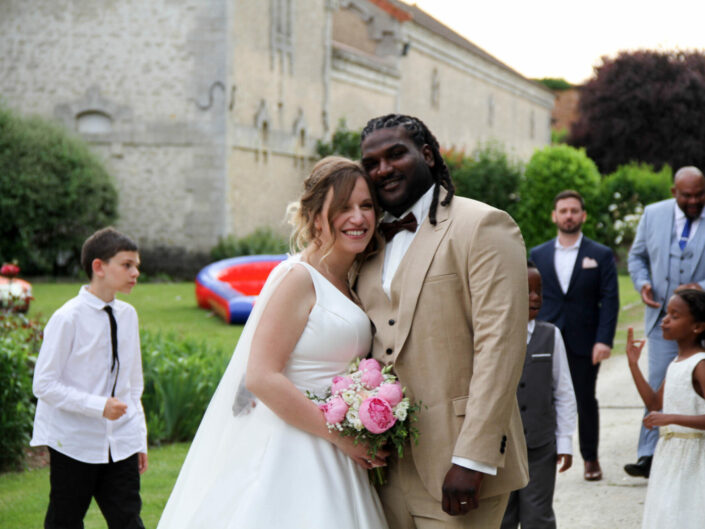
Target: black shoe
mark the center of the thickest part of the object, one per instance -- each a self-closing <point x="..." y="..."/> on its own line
<point x="641" y="468"/>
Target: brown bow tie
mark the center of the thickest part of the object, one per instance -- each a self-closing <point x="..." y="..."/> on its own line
<point x="390" y="229"/>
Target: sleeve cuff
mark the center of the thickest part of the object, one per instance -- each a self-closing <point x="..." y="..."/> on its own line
<point x="564" y="445"/>
<point x="474" y="465"/>
<point x="95" y="405"/>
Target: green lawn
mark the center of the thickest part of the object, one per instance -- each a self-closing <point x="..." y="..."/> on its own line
<point x="171" y="307"/>
<point x="165" y="307"/>
<point x="24" y="496"/>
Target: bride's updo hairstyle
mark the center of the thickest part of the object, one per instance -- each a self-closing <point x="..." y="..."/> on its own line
<point x="332" y="172"/>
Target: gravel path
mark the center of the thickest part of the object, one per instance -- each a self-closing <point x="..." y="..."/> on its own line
<point x="618" y="500"/>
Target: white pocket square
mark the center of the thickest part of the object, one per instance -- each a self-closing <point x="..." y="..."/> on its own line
<point x="589" y="262"/>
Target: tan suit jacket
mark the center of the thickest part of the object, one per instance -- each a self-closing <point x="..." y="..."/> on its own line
<point x="455" y="332"/>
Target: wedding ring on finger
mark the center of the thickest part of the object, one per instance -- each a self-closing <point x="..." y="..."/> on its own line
<point x="463" y="503"/>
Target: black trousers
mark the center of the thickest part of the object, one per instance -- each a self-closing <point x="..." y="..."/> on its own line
<point x="532" y="506"/>
<point x="114" y="485"/>
<point x="584" y="376"/>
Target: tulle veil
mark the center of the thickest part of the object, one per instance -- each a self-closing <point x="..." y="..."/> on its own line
<point x="223" y="442"/>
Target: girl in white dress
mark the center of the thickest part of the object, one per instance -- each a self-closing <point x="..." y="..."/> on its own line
<point x="263" y="456"/>
<point x="676" y="493"/>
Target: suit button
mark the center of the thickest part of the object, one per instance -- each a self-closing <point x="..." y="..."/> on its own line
<point x="389" y="350"/>
<point x="523" y="408"/>
<point x="522" y="385"/>
<point x="392" y="322"/>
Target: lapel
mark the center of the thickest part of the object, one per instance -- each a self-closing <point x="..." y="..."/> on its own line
<point x="664" y="237"/>
<point x="551" y="260"/>
<point x="409" y="279"/>
<point x="582" y="250"/>
<point x="696" y="244"/>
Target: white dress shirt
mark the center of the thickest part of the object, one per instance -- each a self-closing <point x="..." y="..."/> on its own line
<point x="564" y="261"/>
<point x="679" y="223"/>
<point x="72" y="380"/>
<point x="394" y="252"/>
<point x="563" y="393"/>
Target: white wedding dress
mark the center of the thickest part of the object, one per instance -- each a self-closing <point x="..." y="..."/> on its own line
<point x="676" y="494"/>
<point x="250" y="469"/>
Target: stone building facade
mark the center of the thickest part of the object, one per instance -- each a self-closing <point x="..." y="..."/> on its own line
<point x="207" y="112"/>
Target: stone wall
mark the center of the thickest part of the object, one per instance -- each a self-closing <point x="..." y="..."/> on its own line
<point x="207" y="112"/>
<point x="138" y="80"/>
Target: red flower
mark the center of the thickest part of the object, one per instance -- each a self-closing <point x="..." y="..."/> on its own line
<point x="10" y="270"/>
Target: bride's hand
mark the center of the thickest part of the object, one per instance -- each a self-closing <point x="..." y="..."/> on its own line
<point x="360" y="453"/>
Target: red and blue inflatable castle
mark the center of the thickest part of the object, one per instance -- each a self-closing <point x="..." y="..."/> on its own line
<point x="230" y="287"/>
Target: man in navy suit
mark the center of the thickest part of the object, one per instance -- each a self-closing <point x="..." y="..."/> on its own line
<point x="581" y="298"/>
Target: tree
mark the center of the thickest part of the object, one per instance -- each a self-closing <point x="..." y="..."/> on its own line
<point x="644" y="106"/>
<point x="54" y="192"/>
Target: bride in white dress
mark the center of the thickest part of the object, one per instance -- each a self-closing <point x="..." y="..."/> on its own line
<point x="268" y="460"/>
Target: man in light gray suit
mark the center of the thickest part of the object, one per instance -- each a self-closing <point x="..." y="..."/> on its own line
<point x="667" y="254"/>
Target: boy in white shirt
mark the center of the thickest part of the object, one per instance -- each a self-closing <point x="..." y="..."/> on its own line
<point x="549" y="413"/>
<point x="88" y="382"/>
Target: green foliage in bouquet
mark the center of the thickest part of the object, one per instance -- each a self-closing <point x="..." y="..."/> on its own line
<point x="20" y="339"/>
<point x="180" y="377"/>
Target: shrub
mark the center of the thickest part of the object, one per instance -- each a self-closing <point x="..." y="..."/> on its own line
<point x="261" y="241"/>
<point x="20" y="339"/>
<point x="53" y="194"/>
<point x="488" y="175"/>
<point x="623" y="196"/>
<point x="344" y="142"/>
<point x="180" y="377"/>
<point x="549" y="172"/>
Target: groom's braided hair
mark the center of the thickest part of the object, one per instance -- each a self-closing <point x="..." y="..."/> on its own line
<point x="421" y="136"/>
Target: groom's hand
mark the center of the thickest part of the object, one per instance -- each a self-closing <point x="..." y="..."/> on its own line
<point x="461" y="489"/>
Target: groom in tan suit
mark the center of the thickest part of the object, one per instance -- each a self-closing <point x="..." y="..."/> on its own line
<point x="448" y="298"/>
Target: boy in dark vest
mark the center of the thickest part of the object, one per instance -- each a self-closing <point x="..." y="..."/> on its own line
<point x="549" y="413"/>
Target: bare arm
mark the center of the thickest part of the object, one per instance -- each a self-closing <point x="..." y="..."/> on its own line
<point x="652" y="400"/>
<point x="280" y="327"/>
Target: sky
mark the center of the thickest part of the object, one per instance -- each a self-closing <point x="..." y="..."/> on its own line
<point x="566" y="38"/>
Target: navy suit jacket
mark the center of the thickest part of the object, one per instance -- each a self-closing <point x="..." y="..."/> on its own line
<point x="587" y="313"/>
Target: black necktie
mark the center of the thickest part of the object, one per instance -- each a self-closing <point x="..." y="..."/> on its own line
<point x="114" y="342"/>
<point x="390" y="229"/>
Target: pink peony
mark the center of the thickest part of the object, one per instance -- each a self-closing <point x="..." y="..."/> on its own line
<point x="340" y="384"/>
<point x="369" y="364"/>
<point x="334" y="410"/>
<point x="371" y="378"/>
<point x="376" y="415"/>
<point x="392" y="393"/>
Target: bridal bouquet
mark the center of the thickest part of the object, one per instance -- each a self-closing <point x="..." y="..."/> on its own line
<point x="368" y="404"/>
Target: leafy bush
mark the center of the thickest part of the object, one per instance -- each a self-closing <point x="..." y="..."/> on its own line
<point x="623" y="196"/>
<point x="260" y="241"/>
<point x="20" y="339"/>
<point x="180" y="377"/>
<point x="550" y="171"/>
<point x="343" y="143"/>
<point x="488" y="175"/>
<point x="53" y="193"/>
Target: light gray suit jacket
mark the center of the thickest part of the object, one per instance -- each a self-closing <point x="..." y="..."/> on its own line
<point x="650" y="254"/>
